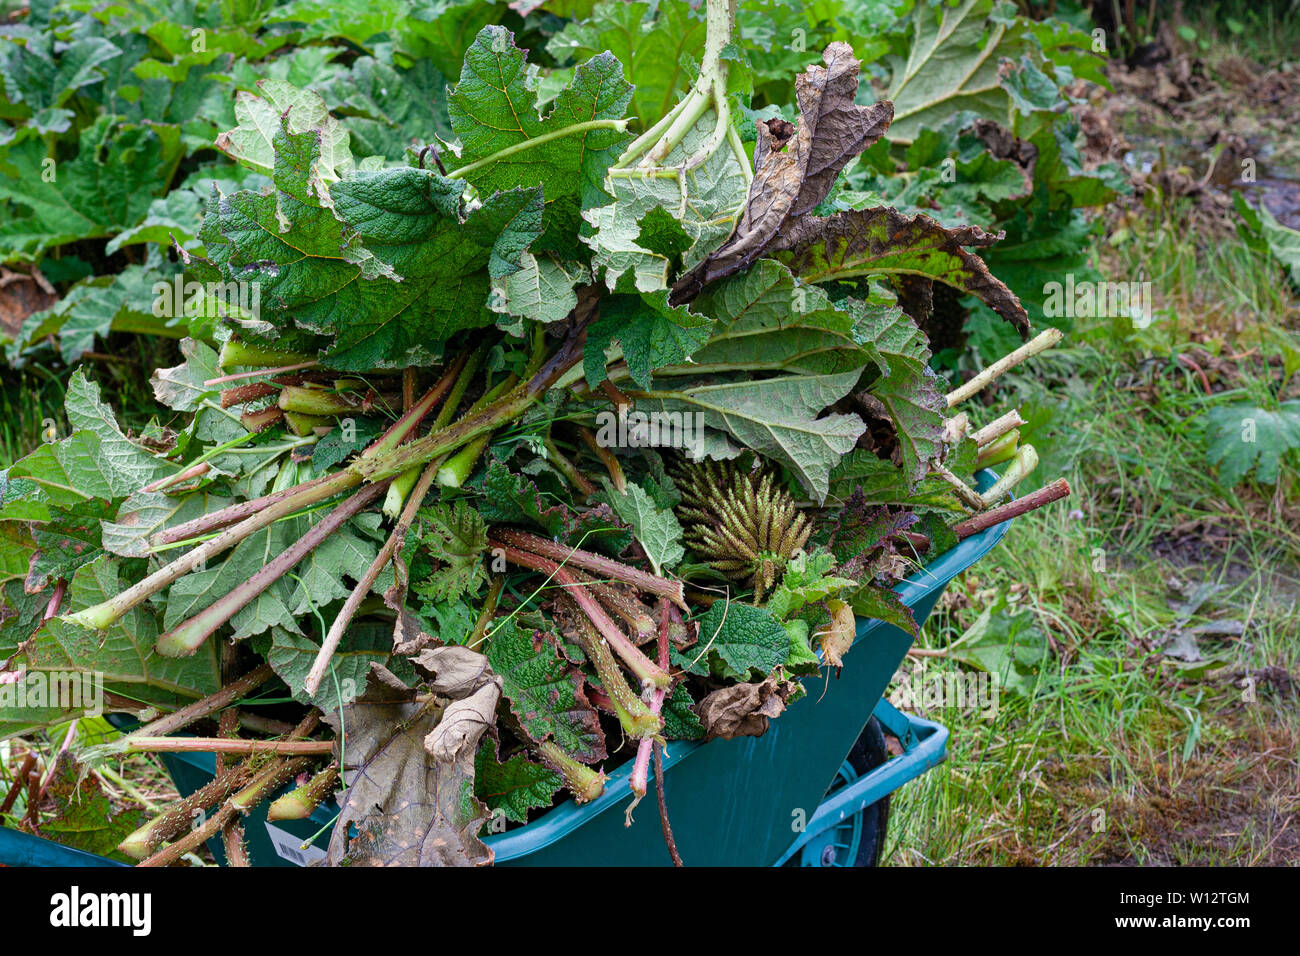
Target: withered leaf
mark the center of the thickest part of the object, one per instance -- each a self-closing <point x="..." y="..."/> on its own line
<point x="837" y="637"/>
<point x="409" y="767"/>
<point x="745" y="710"/>
<point x="795" y="169"/>
<point x="882" y="241"/>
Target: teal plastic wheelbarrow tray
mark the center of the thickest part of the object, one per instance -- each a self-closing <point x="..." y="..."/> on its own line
<point x="753" y="801"/>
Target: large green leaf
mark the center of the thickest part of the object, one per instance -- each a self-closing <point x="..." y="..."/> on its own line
<point x="777" y="417"/>
<point x="505" y="143"/>
<point x="948" y="56"/>
<point x="124" y="653"/>
<point x="390" y="271"/>
<point x="107" y="187"/>
<point x="657" y="45"/>
<point x="513" y="786"/>
<point x="652" y="334"/>
<point x="766" y="320"/>
<point x="743" y="638"/>
<point x="1245" y="438"/>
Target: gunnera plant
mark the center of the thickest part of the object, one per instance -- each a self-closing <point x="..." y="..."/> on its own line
<point x="742" y="523"/>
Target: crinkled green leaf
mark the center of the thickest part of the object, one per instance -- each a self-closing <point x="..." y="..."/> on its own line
<point x="777" y="417"/>
<point x="655" y="527"/>
<point x="494" y="111"/>
<point x="766" y="319"/>
<point x="743" y="637"/>
<point x="392" y="277"/>
<point x="124" y="653"/>
<point x="1245" y="438"/>
<point x="652" y="333"/>
<point x="544" y="690"/>
<point x="657" y="45"/>
<point x="454" y="535"/>
<point x="513" y="786"/>
<point x="106" y="188"/>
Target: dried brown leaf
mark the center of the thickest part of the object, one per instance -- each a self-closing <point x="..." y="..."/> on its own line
<point x="744" y="710"/>
<point x="794" y="169"/>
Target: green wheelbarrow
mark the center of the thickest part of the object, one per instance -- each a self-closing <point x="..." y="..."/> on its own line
<point x="812" y="791"/>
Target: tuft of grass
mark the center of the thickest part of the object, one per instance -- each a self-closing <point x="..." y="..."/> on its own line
<point x="1112" y="751"/>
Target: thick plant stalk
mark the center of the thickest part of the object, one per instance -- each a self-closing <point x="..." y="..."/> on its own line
<point x="225" y="745"/>
<point x="568" y="469"/>
<point x="196" y="470"/>
<point x="177" y="818"/>
<point x="969" y="496"/>
<point x="1039" y="343"/>
<point x="303" y="425"/>
<point x="584" y="783"/>
<point x="388" y="463"/>
<point x="403" y="483"/>
<point x="317" y="402"/>
<point x="454" y="472"/>
<point x="294" y="499"/>
<point x="641" y="626"/>
<point x="641" y="768"/>
<point x="232" y="841"/>
<point x="264" y="784"/>
<point x="367" y="581"/>
<point x="478" y="637"/>
<point x="262" y="419"/>
<point x="607" y="458"/>
<point x="246" y="393"/>
<point x="300" y="803"/>
<point x="106" y="614"/>
<point x="601" y="565"/>
<point x="999" y="450"/>
<point x="1021" y="467"/>
<point x="638" y="720"/>
<point x="216" y="520"/>
<point x="186" y="638"/>
<point x="640" y="665"/>
<point x="997" y="428"/>
<point x="208" y="705"/>
<point x="235" y="352"/>
<point x="1057" y="490"/>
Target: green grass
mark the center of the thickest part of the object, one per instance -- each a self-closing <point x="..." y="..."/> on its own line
<point x="31" y="397"/>
<point x="1118" y="753"/>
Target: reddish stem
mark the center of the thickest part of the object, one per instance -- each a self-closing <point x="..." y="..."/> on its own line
<point x="247" y="393"/>
<point x="1057" y="490"/>
<point x="640" y="665"/>
<point x="607" y="567"/>
<point x="186" y="638"/>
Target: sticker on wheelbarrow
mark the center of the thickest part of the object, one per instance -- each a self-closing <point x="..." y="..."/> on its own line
<point x="289" y="847"/>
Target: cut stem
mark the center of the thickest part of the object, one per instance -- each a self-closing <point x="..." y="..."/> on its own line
<point x="302" y="802"/>
<point x="635" y="717"/>
<point x="601" y="565"/>
<point x="640" y="665"/>
<point x="1039" y="343"/>
<point x="187" y="637"/>
<point x="997" y="428"/>
<point x="584" y="783"/>
<point x="1012" y="509"/>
